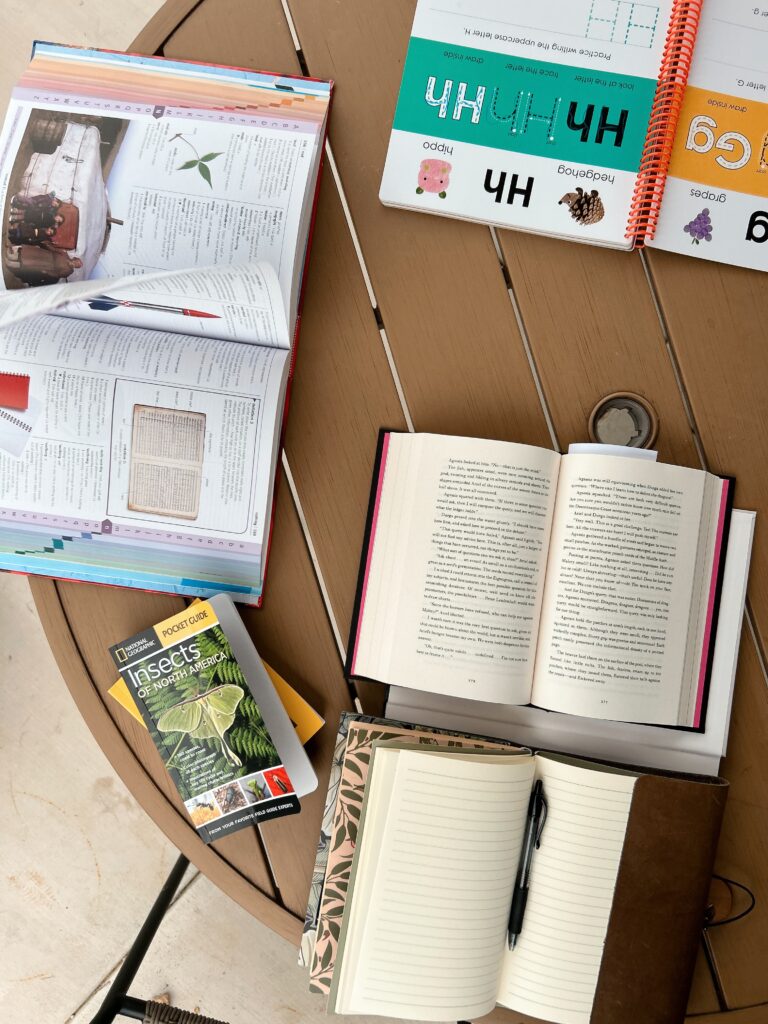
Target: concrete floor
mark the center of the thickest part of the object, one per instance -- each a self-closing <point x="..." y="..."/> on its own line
<point x="80" y="862"/>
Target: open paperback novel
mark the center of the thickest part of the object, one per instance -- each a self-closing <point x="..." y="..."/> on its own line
<point x="567" y="118"/>
<point x="167" y="206"/>
<point x="616" y="894"/>
<point x="505" y="573"/>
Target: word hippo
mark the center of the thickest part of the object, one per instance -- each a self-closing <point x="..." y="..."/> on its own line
<point x="434" y="176"/>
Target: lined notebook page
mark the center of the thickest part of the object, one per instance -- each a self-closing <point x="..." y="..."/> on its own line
<point x="552" y="971"/>
<point x="432" y="884"/>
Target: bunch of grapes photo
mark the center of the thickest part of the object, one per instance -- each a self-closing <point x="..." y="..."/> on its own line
<point x="700" y="228"/>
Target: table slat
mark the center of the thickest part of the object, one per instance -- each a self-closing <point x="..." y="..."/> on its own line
<point x="593" y="330"/>
<point x="740" y="948"/>
<point x="703" y="996"/>
<point x="161" y="25"/>
<point x="438" y="283"/>
<point x="292" y="632"/>
<point x="749" y="1015"/>
<point x="717" y="318"/>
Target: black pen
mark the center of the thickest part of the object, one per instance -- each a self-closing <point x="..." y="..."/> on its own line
<point x="537" y="815"/>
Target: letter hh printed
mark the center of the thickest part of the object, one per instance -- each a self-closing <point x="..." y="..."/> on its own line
<point x="462" y="103"/>
<point x="443" y="100"/>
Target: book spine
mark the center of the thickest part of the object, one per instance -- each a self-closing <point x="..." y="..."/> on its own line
<point x="370" y="529"/>
<point x="662" y="124"/>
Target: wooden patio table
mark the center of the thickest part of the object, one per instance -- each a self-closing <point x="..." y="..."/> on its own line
<point x="424" y="323"/>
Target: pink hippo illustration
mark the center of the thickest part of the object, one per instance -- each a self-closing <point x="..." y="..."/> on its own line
<point x="434" y="176"/>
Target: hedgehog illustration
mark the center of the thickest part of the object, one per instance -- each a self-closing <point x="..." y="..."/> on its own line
<point x="585" y="208"/>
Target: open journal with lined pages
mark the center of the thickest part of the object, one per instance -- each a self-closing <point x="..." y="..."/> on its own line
<point x="424" y="926"/>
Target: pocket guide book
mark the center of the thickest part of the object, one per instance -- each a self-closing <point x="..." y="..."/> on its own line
<point x="583" y="584"/>
<point x="305" y="720"/>
<point x="569" y="119"/>
<point x="216" y="719"/>
<point x="167" y="207"/>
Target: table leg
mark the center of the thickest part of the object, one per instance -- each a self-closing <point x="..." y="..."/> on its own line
<point x="117" y="1001"/>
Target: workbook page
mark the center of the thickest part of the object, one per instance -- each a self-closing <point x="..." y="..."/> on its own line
<point x="715" y="202"/>
<point x="527" y="115"/>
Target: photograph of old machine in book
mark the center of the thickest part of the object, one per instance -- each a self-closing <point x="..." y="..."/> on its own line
<point x="57" y="219"/>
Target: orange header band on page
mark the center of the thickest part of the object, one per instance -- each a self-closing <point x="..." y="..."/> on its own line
<point x="722" y="142"/>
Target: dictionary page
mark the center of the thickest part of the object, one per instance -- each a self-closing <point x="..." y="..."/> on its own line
<point x="117" y="164"/>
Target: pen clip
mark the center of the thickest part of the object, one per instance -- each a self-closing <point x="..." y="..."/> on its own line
<point x="542" y="820"/>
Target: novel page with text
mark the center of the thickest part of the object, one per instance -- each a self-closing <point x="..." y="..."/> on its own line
<point x="457" y="563"/>
<point x="622" y="594"/>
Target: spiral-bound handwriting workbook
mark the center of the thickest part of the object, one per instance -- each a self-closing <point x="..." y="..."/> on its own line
<point x="570" y="120"/>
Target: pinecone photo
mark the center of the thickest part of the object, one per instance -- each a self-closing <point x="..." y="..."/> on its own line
<point x="585" y="208"/>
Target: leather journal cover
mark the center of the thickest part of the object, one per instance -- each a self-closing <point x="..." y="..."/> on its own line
<point x="660" y="898"/>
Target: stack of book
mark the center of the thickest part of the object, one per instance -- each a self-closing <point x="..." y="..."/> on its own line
<point x="502" y="582"/>
<point x="569" y="608"/>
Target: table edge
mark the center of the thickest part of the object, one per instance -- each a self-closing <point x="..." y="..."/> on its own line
<point x="133" y="775"/>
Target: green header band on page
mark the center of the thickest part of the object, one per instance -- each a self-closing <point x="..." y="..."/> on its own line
<point x="525" y="106"/>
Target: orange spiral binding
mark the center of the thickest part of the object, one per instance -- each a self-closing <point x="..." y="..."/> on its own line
<point x="662" y="124"/>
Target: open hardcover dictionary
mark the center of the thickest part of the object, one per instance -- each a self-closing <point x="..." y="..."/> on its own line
<point x="167" y="207"/>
